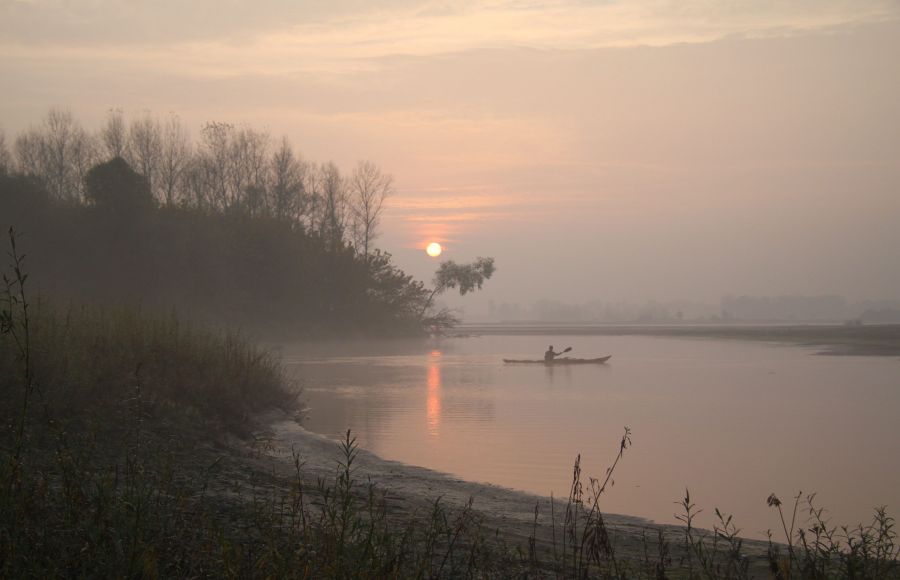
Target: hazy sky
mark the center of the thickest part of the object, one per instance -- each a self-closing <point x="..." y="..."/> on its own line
<point x="612" y="150"/>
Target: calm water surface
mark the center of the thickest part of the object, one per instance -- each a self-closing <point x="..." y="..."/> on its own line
<point x="733" y="421"/>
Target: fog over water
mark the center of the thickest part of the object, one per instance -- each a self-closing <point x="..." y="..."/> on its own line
<point x="733" y="421"/>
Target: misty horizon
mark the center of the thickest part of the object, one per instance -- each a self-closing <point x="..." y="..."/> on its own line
<point x="730" y="309"/>
<point x="483" y="306"/>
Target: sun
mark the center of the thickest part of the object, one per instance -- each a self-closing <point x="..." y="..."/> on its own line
<point x="434" y="249"/>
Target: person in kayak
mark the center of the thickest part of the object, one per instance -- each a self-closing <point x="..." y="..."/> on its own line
<point x="550" y="354"/>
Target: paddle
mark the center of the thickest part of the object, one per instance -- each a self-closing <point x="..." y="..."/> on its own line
<point x="565" y="351"/>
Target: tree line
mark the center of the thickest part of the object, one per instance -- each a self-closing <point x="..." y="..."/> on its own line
<point x="235" y="228"/>
<point x="230" y="169"/>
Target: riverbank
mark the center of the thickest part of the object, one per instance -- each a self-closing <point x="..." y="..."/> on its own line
<point x="517" y="520"/>
<point x="832" y="339"/>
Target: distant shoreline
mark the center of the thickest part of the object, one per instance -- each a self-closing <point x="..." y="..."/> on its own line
<point x="833" y="339"/>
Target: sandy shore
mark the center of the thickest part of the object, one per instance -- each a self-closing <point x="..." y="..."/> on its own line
<point x="413" y="490"/>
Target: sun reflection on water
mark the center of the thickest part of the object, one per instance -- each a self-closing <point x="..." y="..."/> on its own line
<point x="433" y="401"/>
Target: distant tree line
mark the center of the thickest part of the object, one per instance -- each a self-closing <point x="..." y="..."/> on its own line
<point x="599" y="311"/>
<point x="230" y="170"/>
<point x="236" y="227"/>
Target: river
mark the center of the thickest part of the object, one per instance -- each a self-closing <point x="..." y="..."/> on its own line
<point x="730" y="420"/>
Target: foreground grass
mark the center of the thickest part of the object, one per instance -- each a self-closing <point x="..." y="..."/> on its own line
<point x="115" y="462"/>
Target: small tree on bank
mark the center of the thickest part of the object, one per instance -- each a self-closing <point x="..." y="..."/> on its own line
<point x="466" y="277"/>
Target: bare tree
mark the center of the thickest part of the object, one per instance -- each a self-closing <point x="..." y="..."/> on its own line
<point x="195" y="190"/>
<point x="27" y="152"/>
<point x="332" y="224"/>
<point x="85" y="154"/>
<point x="312" y="218"/>
<point x="56" y="152"/>
<point x="145" y="148"/>
<point x="175" y="160"/>
<point x="59" y="153"/>
<point x="213" y="165"/>
<point x="248" y="161"/>
<point x="69" y="152"/>
<point x="235" y="167"/>
<point x="5" y="155"/>
<point x="288" y="193"/>
<point x="114" y="135"/>
<point x="369" y="187"/>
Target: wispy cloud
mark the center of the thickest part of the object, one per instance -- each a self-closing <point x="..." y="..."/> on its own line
<point x="279" y="37"/>
<point x="428" y="217"/>
<point x="449" y="202"/>
<point x="464" y="218"/>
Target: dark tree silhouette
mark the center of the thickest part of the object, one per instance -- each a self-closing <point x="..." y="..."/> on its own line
<point x="232" y="231"/>
<point x="466" y="277"/>
<point x="115" y="186"/>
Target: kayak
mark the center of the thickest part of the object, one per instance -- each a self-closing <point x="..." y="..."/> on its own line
<point x="562" y="361"/>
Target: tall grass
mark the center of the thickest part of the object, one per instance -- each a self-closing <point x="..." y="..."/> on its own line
<point x="93" y="359"/>
<point x="584" y="545"/>
<point x="820" y="549"/>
